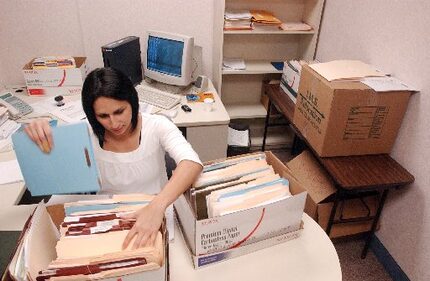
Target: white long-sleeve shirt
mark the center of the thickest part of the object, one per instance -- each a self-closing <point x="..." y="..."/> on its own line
<point x="144" y="169"/>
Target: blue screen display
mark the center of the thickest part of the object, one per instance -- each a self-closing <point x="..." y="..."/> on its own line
<point x="165" y="55"/>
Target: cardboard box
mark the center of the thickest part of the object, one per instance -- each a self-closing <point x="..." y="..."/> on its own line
<point x="321" y="191"/>
<point x="56" y="77"/>
<point x="229" y="233"/>
<point x="341" y="118"/>
<point x="44" y="241"/>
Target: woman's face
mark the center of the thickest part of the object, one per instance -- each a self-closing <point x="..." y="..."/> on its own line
<point x="114" y="115"/>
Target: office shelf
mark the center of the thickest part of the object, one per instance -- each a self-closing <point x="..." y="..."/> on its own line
<point x="254" y="67"/>
<point x="241" y="90"/>
<point x="265" y="32"/>
<point x="245" y="111"/>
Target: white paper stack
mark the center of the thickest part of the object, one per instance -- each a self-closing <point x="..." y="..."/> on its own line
<point x="237" y="20"/>
<point x="234" y="64"/>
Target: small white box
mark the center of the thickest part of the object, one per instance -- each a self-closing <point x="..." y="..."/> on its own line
<point x="56" y="77"/>
<point x="247" y="227"/>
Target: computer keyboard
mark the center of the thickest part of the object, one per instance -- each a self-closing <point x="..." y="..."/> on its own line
<point x="157" y="98"/>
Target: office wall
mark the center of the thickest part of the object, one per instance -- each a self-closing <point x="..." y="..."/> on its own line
<point x="80" y="28"/>
<point x="394" y="36"/>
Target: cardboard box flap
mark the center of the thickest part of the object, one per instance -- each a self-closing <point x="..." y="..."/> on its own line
<point x="345" y="69"/>
<point x="308" y="171"/>
<point x="42" y="238"/>
<point x="336" y="84"/>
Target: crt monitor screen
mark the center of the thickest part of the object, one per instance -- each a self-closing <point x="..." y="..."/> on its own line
<point x="165" y="55"/>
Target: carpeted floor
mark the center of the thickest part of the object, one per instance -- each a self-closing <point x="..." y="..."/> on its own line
<point x="353" y="267"/>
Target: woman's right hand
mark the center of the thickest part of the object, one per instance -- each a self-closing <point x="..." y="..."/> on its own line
<point x="40" y="132"/>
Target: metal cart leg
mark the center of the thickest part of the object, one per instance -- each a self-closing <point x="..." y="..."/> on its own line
<point x="266" y="125"/>
<point x="374" y="224"/>
<point x="333" y="211"/>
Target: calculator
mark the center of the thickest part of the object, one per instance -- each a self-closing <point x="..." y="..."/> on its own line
<point x="16" y="106"/>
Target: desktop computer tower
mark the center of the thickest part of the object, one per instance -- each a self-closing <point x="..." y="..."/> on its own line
<point x="124" y="55"/>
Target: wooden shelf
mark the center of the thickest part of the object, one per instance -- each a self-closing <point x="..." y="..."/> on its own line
<point x="272" y="140"/>
<point x="246" y="111"/>
<point x="268" y="32"/>
<point x="254" y="67"/>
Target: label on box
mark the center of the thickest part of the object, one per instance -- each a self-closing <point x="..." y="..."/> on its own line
<point x="54" y="91"/>
<point x="365" y="122"/>
<point x="246" y="227"/>
<point x="308" y="107"/>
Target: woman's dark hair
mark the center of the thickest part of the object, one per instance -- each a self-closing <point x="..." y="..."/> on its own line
<point x="110" y="83"/>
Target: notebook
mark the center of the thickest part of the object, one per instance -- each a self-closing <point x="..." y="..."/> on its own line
<point x="70" y="167"/>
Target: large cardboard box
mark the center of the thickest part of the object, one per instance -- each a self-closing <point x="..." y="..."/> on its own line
<point x="341" y="118"/>
<point x="321" y="191"/>
<point x="216" y="239"/>
<point x="55" y="77"/>
<point x="41" y="246"/>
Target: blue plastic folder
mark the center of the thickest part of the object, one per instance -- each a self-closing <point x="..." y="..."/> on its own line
<point x="70" y="167"/>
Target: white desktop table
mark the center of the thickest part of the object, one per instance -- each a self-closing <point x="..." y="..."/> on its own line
<point x="311" y="256"/>
<point x="206" y="131"/>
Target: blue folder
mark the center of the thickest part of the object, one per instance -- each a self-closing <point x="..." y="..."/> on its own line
<point x="70" y="167"/>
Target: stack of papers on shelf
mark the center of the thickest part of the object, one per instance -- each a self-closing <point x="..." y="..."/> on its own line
<point x="264" y="20"/>
<point x="233" y="64"/>
<point x="237" y="184"/>
<point x="88" y="243"/>
<point x="237" y="20"/>
<point x="295" y="26"/>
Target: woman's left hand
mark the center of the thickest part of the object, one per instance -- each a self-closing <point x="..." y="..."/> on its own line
<point x="146" y="227"/>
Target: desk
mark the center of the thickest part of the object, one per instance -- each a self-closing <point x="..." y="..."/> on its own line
<point x="351" y="174"/>
<point x="206" y="131"/>
<point x="311" y="256"/>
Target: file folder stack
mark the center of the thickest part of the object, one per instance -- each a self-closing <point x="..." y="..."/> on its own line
<point x="237" y="184"/>
<point x="88" y="244"/>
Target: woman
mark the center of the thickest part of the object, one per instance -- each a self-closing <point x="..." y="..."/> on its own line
<point x="129" y="148"/>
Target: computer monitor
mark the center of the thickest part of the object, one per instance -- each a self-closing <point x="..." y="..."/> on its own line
<point x="168" y="58"/>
